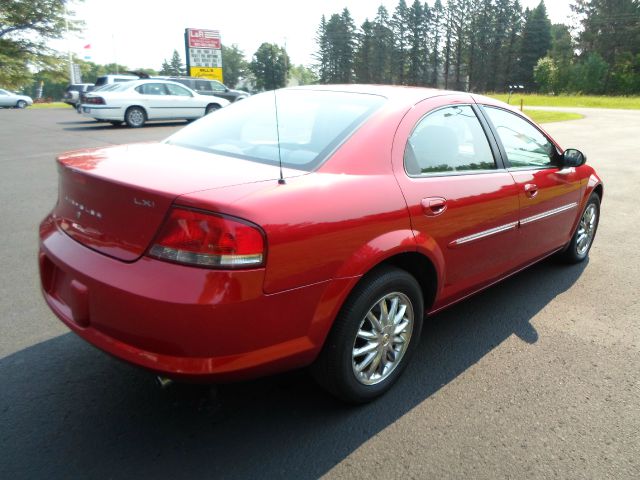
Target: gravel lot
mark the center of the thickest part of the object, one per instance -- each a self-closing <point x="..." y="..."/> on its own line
<point x="537" y="377"/>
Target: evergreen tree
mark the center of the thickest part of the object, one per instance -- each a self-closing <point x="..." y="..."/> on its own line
<point x="536" y="42"/>
<point x="562" y="54"/>
<point x="512" y="46"/>
<point x="437" y="31"/>
<point x="450" y="40"/>
<point x="460" y="22"/>
<point x="172" y="67"/>
<point x="322" y="55"/>
<point x="399" y="26"/>
<point x="382" y="47"/>
<point x="417" y="48"/>
<point x="610" y="27"/>
<point x="482" y="39"/>
<point x="176" y="66"/>
<point x="365" y="54"/>
<point x="495" y="78"/>
<point x="347" y="47"/>
<point x="166" y="68"/>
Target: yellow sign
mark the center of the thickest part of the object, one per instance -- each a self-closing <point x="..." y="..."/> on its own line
<point x="212" y="73"/>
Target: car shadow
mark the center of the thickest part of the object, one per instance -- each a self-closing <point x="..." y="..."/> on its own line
<point x="91" y="125"/>
<point x="69" y="411"/>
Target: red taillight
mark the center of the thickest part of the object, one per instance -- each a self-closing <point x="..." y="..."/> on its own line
<point x="95" y="101"/>
<point x="208" y="240"/>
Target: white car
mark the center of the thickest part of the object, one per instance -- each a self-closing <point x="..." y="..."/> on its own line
<point x="14" y="100"/>
<point x="137" y="101"/>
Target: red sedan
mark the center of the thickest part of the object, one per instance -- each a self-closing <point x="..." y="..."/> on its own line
<point x="321" y="232"/>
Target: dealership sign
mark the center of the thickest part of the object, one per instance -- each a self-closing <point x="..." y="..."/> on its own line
<point x="204" y="53"/>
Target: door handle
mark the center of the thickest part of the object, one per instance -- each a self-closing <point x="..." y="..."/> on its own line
<point x="432" y="206"/>
<point x="531" y="189"/>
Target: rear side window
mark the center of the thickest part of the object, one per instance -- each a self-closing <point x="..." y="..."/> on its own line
<point x="152" y="89"/>
<point x="101" y="81"/>
<point x="450" y="139"/>
<point x="311" y="124"/>
<point x="525" y="145"/>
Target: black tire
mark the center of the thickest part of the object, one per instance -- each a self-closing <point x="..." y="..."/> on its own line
<point x="135" y="117"/>
<point x="211" y="108"/>
<point x="335" y="368"/>
<point x="21" y="104"/>
<point x="577" y="252"/>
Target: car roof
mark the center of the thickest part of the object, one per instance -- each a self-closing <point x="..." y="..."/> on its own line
<point x="391" y="92"/>
<point x="152" y="80"/>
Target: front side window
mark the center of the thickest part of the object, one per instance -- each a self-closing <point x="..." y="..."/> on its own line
<point x="450" y="139"/>
<point x="525" y="145"/>
<point x="203" y="86"/>
<point x="311" y="124"/>
<point x="177" y="90"/>
<point x="217" y="86"/>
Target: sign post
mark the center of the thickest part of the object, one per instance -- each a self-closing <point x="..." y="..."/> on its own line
<point x="203" y="53"/>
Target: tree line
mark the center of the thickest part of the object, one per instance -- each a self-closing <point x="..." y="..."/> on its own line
<point x="486" y="45"/>
<point x="477" y="45"/>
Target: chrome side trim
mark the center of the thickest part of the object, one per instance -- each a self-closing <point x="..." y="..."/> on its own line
<point x="484" y="234"/>
<point x="512" y="225"/>
<point x="548" y="213"/>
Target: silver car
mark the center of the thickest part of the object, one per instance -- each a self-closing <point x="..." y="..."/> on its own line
<point x="13" y="100"/>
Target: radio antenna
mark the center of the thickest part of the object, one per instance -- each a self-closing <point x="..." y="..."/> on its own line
<point x="275" y="104"/>
<point x="274" y="59"/>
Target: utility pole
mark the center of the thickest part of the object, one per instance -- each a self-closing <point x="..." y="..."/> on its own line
<point x="71" y="73"/>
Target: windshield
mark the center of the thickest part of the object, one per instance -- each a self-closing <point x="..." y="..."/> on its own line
<point x="112" y="87"/>
<point x="312" y="123"/>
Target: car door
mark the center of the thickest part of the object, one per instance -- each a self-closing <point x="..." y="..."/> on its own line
<point x="459" y="195"/>
<point x="548" y="195"/>
<point x="186" y="104"/>
<point x="219" y="90"/>
<point x="156" y="100"/>
<point x="5" y="99"/>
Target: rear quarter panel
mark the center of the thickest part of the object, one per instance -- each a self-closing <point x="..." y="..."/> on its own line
<point x="334" y="223"/>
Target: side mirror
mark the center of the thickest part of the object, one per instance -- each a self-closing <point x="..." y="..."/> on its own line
<point x="573" y="157"/>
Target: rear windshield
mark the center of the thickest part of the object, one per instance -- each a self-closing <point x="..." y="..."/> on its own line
<point x="311" y="124"/>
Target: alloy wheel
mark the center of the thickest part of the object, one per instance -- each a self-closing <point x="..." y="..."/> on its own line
<point x="382" y="338"/>
<point x="586" y="229"/>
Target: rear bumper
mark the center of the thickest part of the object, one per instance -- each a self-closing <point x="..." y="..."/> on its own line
<point x="184" y="322"/>
<point x="103" y="113"/>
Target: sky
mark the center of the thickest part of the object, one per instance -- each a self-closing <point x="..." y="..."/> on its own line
<point x="142" y="33"/>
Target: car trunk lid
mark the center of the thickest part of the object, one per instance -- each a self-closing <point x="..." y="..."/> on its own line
<point x="114" y="200"/>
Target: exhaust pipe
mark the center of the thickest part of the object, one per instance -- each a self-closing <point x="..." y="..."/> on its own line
<point x="164" y="382"/>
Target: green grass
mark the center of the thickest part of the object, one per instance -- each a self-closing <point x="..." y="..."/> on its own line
<point x="545" y="116"/>
<point x="50" y="105"/>
<point x="583" y="101"/>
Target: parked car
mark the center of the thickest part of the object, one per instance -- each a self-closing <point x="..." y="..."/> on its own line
<point x="243" y="246"/>
<point x="211" y="87"/>
<point x="117" y="78"/>
<point x="9" y="99"/>
<point x="137" y="101"/>
<point x="72" y="95"/>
